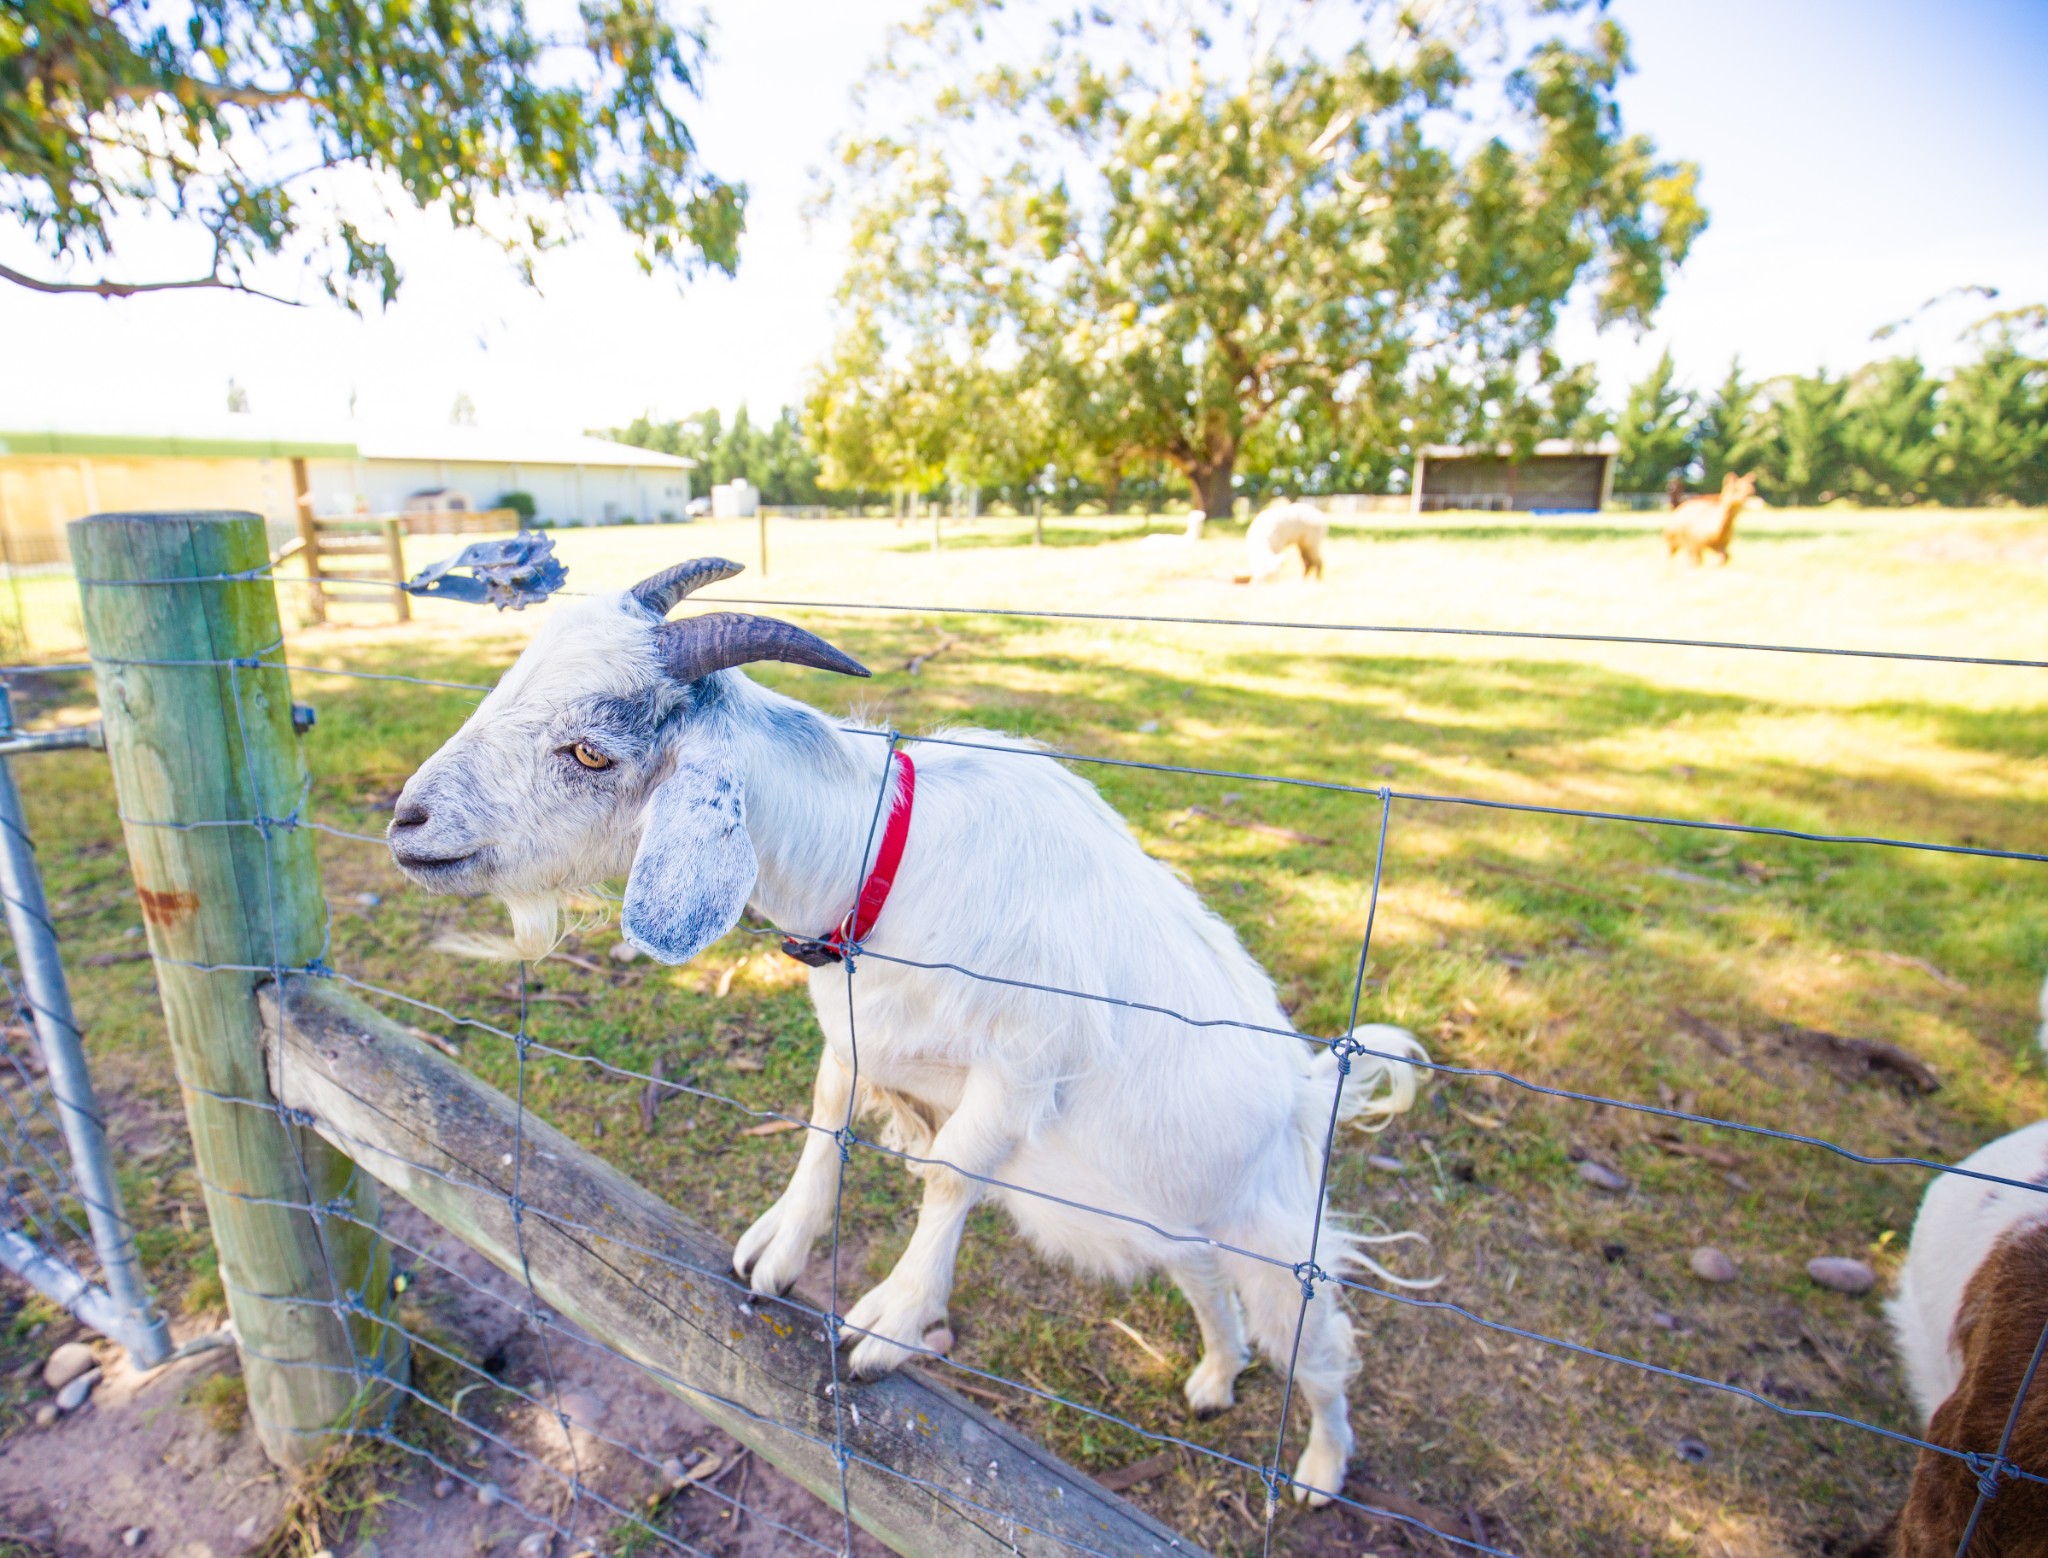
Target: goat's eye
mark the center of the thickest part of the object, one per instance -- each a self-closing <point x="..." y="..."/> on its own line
<point x="590" y="757"/>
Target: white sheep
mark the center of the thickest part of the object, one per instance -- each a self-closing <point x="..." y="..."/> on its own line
<point x="1971" y="1304"/>
<point x="619" y="744"/>
<point x="1283" y="525"/>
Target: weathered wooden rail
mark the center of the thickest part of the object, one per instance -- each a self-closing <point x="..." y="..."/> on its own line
<point x="928" y="1473"/>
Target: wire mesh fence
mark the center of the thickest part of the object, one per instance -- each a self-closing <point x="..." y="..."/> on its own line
<point x="820" y="1423"/>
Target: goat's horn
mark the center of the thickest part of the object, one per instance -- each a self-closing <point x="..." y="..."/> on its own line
<point x="717" y="640"/>
<point x="660" y="592"/>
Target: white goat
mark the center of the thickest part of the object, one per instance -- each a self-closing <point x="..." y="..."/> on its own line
<point x="1971" y="1303"/>
<point x="1298" y="525"/>
<point x="620" y="744"/>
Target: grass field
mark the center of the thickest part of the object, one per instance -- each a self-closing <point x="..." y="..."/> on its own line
<point x="1640" y="962"/>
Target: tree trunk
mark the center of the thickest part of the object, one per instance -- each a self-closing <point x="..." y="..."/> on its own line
<point x="1211" y="486"/>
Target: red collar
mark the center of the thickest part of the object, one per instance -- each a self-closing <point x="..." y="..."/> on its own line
<point x="874" y="892"/>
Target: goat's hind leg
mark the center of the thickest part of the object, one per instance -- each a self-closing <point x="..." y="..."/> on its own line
<point x="772" y="1253"/>
<point x="1210" y="1389"/>
<point x="1321" y="1361"/>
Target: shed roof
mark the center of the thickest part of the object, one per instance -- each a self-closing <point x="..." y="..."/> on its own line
<point x="232" y="438"/>
<point x="1547" y="446"/>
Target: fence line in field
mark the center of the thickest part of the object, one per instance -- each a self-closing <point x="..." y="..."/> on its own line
<point x="349" y="1305"/>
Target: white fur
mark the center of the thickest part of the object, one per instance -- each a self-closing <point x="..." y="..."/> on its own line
<point x="1284" y="525"/>
<point x="1185" y="537"/>
<point x="1015" y="868"/>
<point x="1960" y="1220"/>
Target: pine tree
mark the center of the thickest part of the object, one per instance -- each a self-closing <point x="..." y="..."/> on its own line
<point x="1659" y="432"/>
<point x="1729" y="435"/>
<point x="1887" y="433"/>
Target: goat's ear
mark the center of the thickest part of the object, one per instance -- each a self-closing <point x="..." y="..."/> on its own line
<point x="695" y="868"/>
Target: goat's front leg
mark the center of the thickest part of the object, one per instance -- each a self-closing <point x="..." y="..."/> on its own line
<point x="772" y="1252"/>
<point x="890" y="1320"/>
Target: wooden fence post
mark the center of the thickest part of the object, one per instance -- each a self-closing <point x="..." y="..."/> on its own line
<point x="309" y="541"/>
<point x="199" y="734"/>
<point x="394" y="557"/>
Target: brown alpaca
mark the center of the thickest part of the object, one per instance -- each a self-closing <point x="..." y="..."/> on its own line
<point x="1996" y="1330"/>
<point x="1702" y="525"/>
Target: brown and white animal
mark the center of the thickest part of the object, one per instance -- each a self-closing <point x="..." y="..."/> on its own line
<point x="1295" y="524"/>
<point x="1702" y="525"/>
<point x="1971" y="1303"/>
<point x="621" y="744"/>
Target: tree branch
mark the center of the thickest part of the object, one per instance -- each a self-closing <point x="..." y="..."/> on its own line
<point x="127" y="289"/>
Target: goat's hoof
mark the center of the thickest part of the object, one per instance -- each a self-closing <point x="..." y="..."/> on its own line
<point x="1209" y="1389"/>
<point x="771" y="1255"/>
<point x="874" y="1356"/>
<point x="885" y="1330"/>
<point x="1319" y="1474"/>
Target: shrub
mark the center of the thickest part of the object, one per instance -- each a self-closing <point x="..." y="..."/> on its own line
<point x="520" y="503"/>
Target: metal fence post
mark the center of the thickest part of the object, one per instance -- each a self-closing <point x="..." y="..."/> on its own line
<point x="145" y="1333"/>
<point x="210" y="782"/>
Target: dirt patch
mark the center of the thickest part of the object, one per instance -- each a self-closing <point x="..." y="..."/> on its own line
<point x="2025" y="544"/>
<point x="148" y="1451"/>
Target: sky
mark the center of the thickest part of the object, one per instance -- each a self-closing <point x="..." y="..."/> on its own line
<point x="1859" y="157"/>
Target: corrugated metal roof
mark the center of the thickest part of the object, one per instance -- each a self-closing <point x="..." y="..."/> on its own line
<point x="1607" y="445"/>
<point x="237" y="438"/>
<point x="491" y="446"/>
<point x="174" y="446"/>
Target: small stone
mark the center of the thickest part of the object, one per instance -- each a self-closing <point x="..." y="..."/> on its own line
<point x="1385" y="1164"/>
<point x="246" y="1531"/>
<point x="487" y="1494"/>
<point x="367" y="1548"/>
<point x="134" y="1536"/>
<point x="1664" y="1320"/>
<point x="73" y="1395"/>
<point x="674" y="1469"/>
<point x="939" y="1339"/>
<point x="66" y="1364"/>
<point x="1601" y="1177"/>
<point x="1711" y="1265"/>
<point x="46" y="1414"/>
<point x="624" y="952"/>
<point x="536" y="1545"/>
<point x="369" y="901"/>
<point x="1692" y="1451"/>
<point x="444" y="1486"/>
<point x="1841" y="1273"/>
<point x="1149" y="727"/>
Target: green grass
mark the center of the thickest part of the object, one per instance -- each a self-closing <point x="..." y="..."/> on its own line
<point x="1581" y="955"/>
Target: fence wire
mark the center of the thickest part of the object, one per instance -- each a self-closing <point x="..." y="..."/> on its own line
<point x="576" y="1504"/>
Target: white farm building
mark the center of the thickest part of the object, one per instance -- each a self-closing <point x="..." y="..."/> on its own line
<point x="49" y="477"/>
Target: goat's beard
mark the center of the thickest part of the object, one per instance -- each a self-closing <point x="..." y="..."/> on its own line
<point x="537" y="927"/>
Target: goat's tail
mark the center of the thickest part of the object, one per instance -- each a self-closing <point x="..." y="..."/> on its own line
<point x="1382" y="1082"/>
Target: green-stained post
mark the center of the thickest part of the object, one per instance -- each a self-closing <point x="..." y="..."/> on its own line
<point x="197" y="733"/>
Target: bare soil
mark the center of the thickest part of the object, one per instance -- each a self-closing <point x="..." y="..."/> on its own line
<point x="145" y="1452"/>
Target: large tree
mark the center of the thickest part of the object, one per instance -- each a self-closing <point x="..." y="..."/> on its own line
<point x="238" y="122"/>
<point x="1184" y="222"/>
